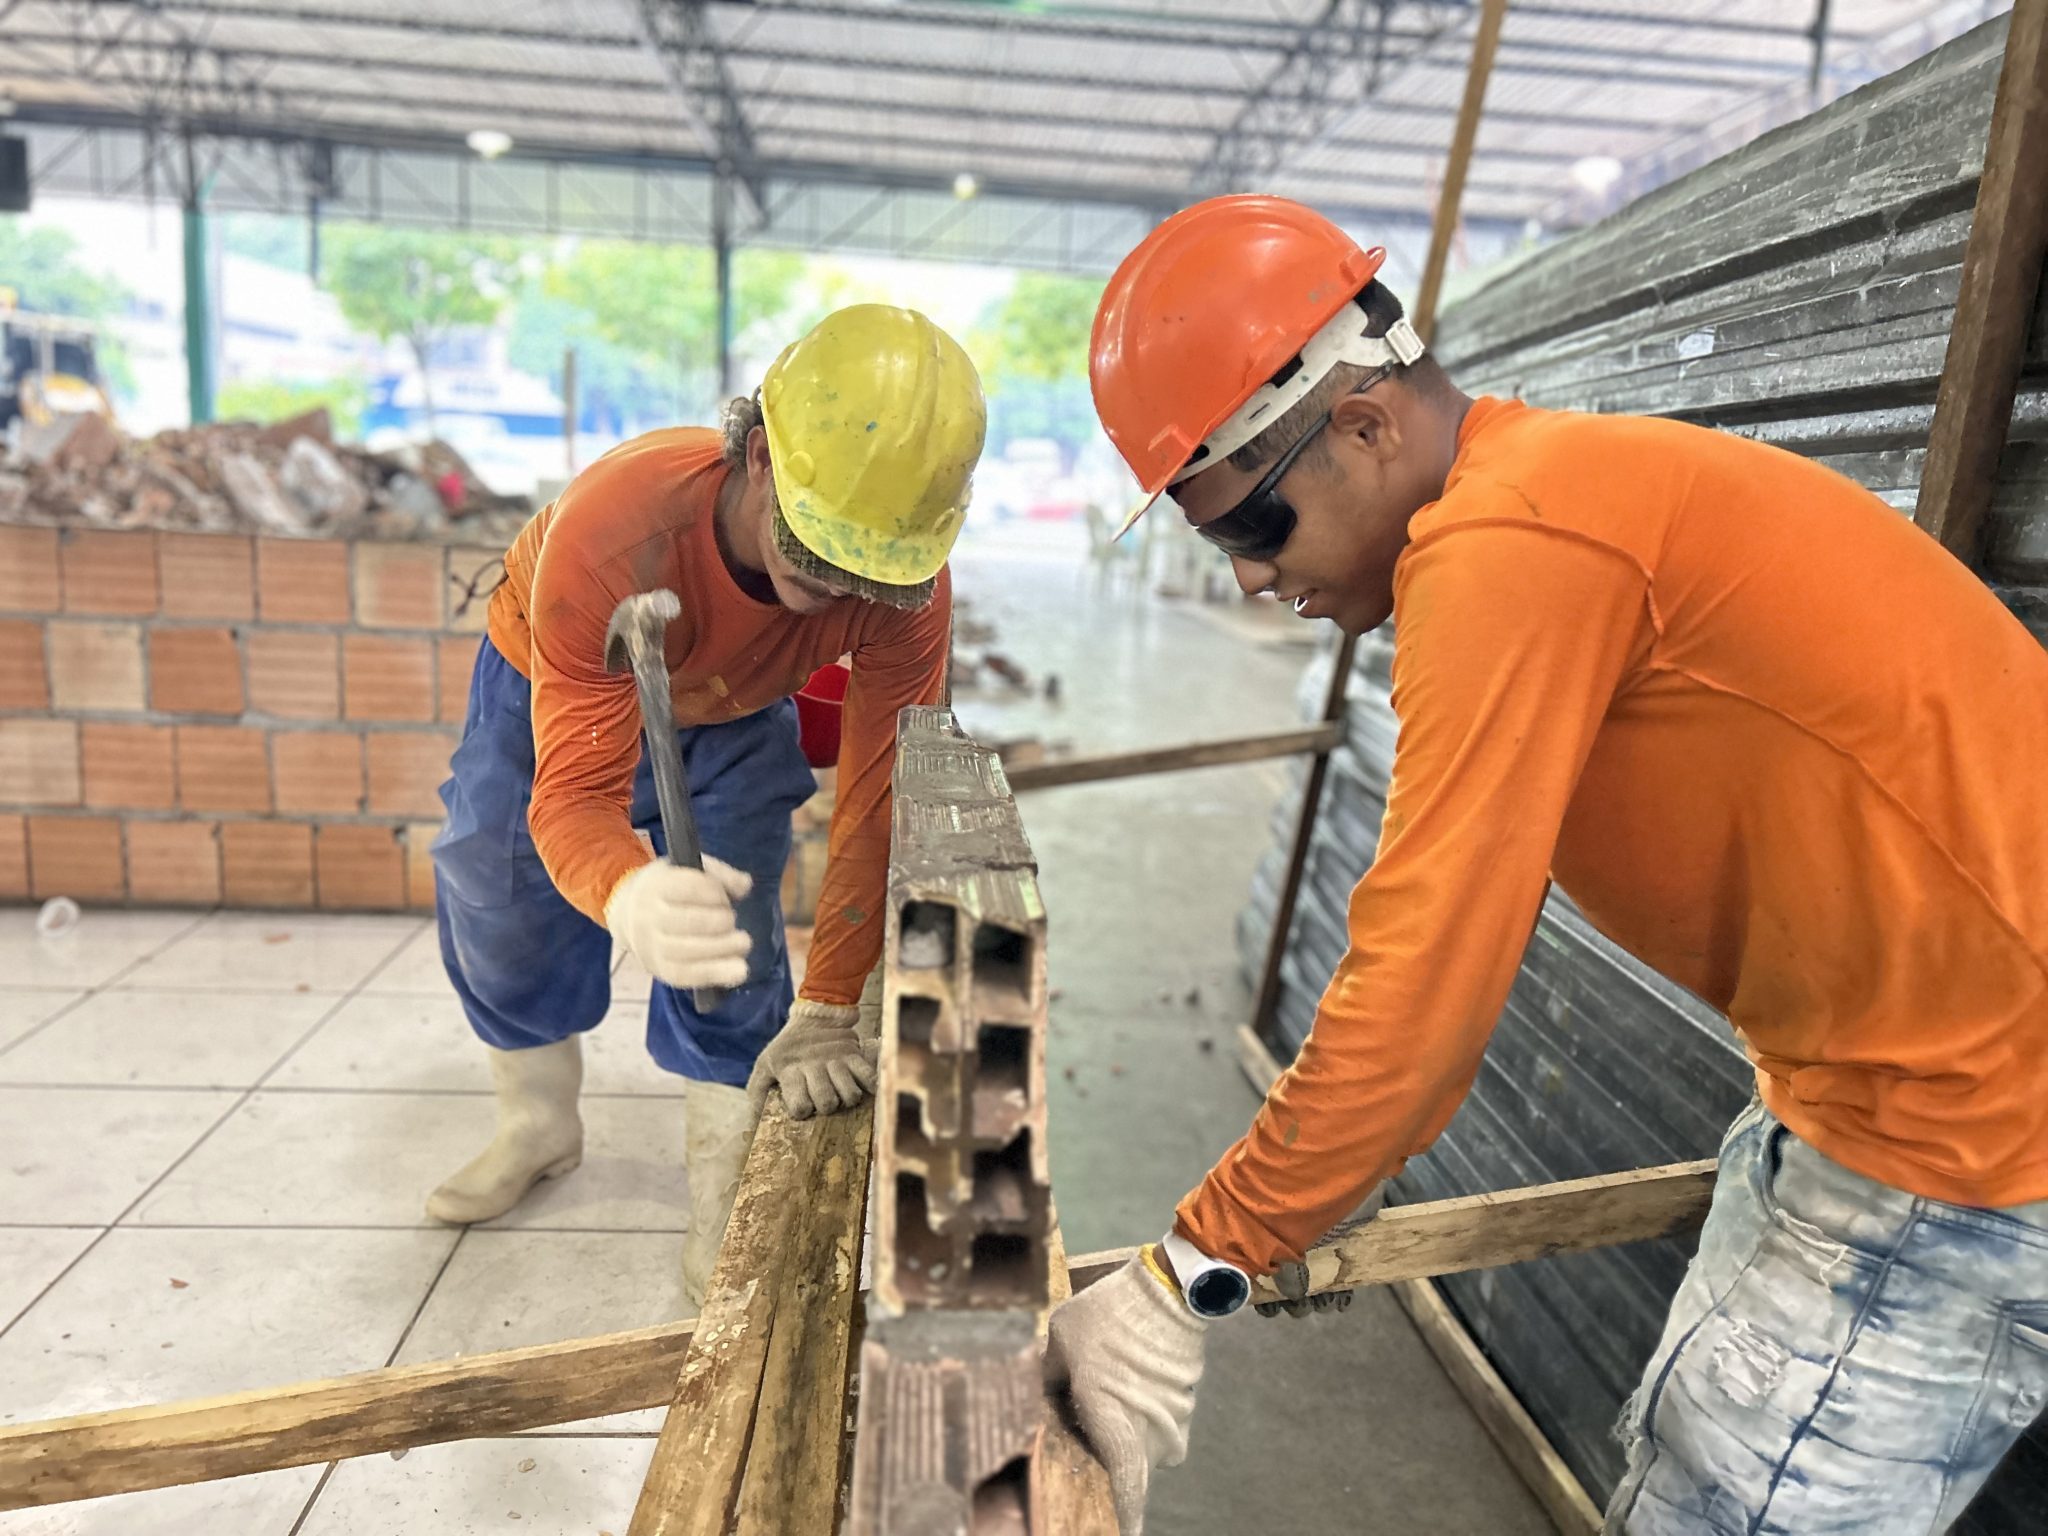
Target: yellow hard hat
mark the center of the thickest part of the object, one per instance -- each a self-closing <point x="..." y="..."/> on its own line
<point x="875" y="420"/>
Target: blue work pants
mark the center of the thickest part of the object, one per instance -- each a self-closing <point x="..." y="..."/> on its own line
<point x="531" y="969"/>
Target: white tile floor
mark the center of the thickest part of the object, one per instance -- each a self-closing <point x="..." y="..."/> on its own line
<point x="216" y="1132"/>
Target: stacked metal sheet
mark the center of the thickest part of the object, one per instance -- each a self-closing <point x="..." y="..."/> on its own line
<point x="1798" y="291"/>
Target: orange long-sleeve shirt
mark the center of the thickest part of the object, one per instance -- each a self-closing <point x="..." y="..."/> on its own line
<point x="1770" y="737"/>
<point x="640" y="518"/>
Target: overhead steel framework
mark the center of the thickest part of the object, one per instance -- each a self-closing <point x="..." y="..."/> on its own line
<point x="846" y="123"/>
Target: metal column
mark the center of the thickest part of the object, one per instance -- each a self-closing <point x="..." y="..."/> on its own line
<point x="198" y="297"/>
<point x="721" y="252"/>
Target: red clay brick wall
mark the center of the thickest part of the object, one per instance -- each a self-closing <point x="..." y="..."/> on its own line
<point x="202" y="719"/>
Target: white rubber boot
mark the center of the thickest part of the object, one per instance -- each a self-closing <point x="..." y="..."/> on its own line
<point x="540" y="1134"/>
<point x="718" y="1127"/>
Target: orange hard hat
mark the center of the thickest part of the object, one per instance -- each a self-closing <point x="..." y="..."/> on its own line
<point x="1209" y="307"/>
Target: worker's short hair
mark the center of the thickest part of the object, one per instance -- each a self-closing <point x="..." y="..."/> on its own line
<point x="1382" y="309"/>
<point x="736" y="425"/>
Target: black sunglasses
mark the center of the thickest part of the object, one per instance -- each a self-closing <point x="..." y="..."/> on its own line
<point x="1260" y="525"/>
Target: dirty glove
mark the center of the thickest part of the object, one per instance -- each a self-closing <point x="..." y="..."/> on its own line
<point x="820" y="1061"/>
<point x="1129" y="1353"/>
<point x="679" y="923"/>
<point x="1291" y="1280"/>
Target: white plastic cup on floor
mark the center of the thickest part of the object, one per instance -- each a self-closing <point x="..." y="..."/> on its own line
<point x="59" y="915"/>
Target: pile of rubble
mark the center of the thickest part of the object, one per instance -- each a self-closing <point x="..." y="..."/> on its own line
<point x="287" y="478"/>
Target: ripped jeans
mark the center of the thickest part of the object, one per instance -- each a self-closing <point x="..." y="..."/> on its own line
<point x="1843" y="1357"/>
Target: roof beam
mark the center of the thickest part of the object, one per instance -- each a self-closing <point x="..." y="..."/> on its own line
<point x="1336" y="78"/>
<point x="953" y="149"/>
<point x="678" y="35"/>
<point x="1271" y="36"/>
<point x="1121" y="86"/>
<point x="1148" y="198"/>
<point x="1216" y="32"/>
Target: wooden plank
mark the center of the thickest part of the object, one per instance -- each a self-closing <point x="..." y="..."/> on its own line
<point x="1524" y="1446"/>
<point x="1485" y="43"/>
<point x="1421" y="315"/>
<point x="201" y="1439"/>
<point x="196" y="1441"/>
<point x="1511" y="1226"/>
<point x="795" y="1462"/>
<point x="1069" y="1489"/>
<point x="1444" y="1237"/>
<point x="693" y="1482"/>
<point x="2001" y="280"/>
<point x="1199" y="754"/>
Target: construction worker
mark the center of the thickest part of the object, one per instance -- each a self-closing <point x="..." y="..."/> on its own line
<point x="1772" y="740"/>
<point x="816" y="525"/>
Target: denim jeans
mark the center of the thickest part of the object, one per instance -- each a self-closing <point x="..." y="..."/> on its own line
<point x="531" y="969"/>
<point x="1842" y="1357"/>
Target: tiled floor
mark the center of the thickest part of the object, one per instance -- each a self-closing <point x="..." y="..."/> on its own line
<point x="216" y="1132"/>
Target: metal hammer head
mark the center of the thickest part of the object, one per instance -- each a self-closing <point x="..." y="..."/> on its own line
<point x="636" y="627"/>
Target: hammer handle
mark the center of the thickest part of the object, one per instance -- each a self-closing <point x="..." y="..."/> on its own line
<point x="671" y="789"/>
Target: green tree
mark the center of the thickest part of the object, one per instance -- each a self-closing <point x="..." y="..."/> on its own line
<point x="415" y="286"/>
<point x="608" y="376"/>
<point x="275" y="239"/>
<point x="659" y="303"/>
<point x="269" y="400"/>
<point x="1038" y="331"/>
<point x="44" y="267"/>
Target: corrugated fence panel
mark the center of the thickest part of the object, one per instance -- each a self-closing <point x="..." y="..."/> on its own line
<point x="1798" y="291"/>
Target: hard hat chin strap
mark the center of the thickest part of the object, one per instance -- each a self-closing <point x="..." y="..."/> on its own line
<point x="1341" y="340"/>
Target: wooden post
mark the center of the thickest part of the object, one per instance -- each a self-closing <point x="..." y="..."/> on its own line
<point x="1485" y="43"/>
<point x="795" y="1461"/>
<point x="1422" y="315"/>
<point x="2001" y="278"/>
<point x="794" y="1237"/>
<point x="1069" y="1490"/>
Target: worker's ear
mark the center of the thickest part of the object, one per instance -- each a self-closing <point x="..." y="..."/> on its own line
<point x="1366" y="423"/>
<point x="759" y="466"/>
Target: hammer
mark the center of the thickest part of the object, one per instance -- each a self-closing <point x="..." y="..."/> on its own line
<point x="633" y="640"/>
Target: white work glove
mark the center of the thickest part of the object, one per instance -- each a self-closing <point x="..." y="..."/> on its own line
<point x="1129" y="1353"/>
<point x="820" y="1060"/>
<point x="679" y="923"/>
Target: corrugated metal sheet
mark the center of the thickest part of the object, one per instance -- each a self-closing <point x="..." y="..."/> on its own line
<point x="1798" y="291"/>
<point x="1294" y="96"/>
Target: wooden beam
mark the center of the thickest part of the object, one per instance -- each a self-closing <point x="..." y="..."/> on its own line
<point x="795" y="1464"/>
<point x="196" y="1441"/>
<point x="1444" y="1237"/>
<point x="162" y="1445"/>
<point x="1512" y="1226"/>
<point x="1070" y="1493"/>
<point x="2001" y="279"/>
<point x="1526" y="1448"/>
<point x="1200" y="754"/>
<point x="1421" y="315"/>
<point x="693" y="1483"/>
<point x="1464" y="135"/>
